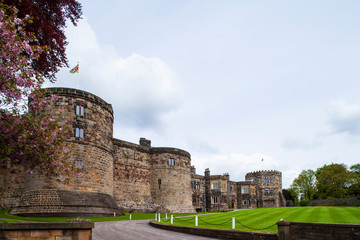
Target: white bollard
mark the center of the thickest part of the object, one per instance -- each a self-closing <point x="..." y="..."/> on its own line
<point x="114" y="214"/>
<point x="155" y="216"/>
<point x="166" y="215"/>
<point x="172" y="219"/>
<point x="196" y="221"/>
<point x="233" y="223"/>
<point x="159" y="217"/>
<point x="130" y="216"/>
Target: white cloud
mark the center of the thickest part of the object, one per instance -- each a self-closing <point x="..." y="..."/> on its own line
<point x="300" y="143"/>
<point x="344" y="118"/>
<point x="140" y="89"/>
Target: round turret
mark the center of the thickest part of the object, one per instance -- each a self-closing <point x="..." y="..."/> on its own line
<point x="90" y="123"/>
<point x="170" y="180"/>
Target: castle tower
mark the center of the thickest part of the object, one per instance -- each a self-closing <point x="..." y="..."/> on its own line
<point x="90" y="123"/>
<point x="268" y="188"/>
<point x="170" y="180"/>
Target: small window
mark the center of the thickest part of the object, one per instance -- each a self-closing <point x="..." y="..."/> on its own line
<point x="245" y="189"/>
<point x="246" y="202"/>
<point x="171" y="162"/>
<point x="268" y="192"/>
<point x="80" y="111"/>
<point x="268" y="179"/>
<point x="78" y="163"/>
<point x="215" y="200"/>
<point x="215" y="185"/>
<point x="159" y="182"/>
<point x="79" y="132"/>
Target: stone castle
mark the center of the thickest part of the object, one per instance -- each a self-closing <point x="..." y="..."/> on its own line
<point x="123" y="176"/>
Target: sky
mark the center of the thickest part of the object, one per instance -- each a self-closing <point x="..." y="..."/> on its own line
<point x="231" y="82"/>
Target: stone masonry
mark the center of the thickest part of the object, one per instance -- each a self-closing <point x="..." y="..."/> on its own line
<point x="123" y="176"/>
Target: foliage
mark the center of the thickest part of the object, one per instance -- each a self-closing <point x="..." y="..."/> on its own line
<point x="355" y="169"/>
<point x="354" y="189"/>
<point x="34" y="142"/>
<point x="333" y="181"/>
<point x="290" y="195"/>
<point x="303" y="202"/>
<point x="304" y="184"/>
<point x="49" y="21"/>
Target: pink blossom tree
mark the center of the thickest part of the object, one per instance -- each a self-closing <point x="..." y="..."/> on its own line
<point x="31" y="140"/>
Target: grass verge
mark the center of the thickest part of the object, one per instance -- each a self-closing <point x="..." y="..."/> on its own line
<point x="264" y="219"/>
<point x="6" y="217"/>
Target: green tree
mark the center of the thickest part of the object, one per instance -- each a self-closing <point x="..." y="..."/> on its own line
<point x="333" y="180"/>
<point x="354" y="189"/>
<point x="304" y="184"/>
<point x="290" y="195"/>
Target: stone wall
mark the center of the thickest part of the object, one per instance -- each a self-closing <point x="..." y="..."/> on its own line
<point x="218" y="233"/>
<point x="198" y="192"/>
<point x="170" y="180"/>
<point x="132" y="170"/>
<point x="49" y="231"/>
<point x="315" y="231"/>
<point x="94" y="149"/>
<point x="350" y="201"/>
<point x="268" y="188"/>
<point x="92" y="154"/>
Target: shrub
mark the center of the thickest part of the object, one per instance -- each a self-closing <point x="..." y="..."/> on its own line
<point x="303" y="202"/>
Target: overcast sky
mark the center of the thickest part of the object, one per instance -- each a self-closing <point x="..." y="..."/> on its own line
<point x="231" y="82"/>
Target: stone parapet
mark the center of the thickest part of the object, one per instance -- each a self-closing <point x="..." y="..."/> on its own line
<point x="76" y="93"/>
<point x="44" y="230"/>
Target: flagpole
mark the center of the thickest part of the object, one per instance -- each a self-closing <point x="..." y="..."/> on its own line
<point x="78" y="78"/>
<point x="76" y="70"/>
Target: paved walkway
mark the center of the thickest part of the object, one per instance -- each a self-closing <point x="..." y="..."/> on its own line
<point x="137" y="230"/>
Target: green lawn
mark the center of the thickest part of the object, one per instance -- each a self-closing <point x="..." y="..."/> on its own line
<point x="260" y="218"/>
<point x="6" y="217"/>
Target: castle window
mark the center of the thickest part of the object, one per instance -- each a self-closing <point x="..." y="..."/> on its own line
<point x="79" y="132"/>
<point x="268" y="192"/>
<point x="195" y="185"/>
<point x="171" y="162"/>
<point x="245" y="189"/>
<point x="80" y="111"/>
<point x="215" y="200"/>
<point x="159" y="182"/>
<point x="78" y="163"/>
<point x="268" y="179"/>
<point x="215" y="185"/>
<point x="246" y="202"/>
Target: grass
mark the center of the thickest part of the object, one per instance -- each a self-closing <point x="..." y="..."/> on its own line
<point x="259" y="219"/>
<point x="6" y="217"/>
<point x="264" y="219"/>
